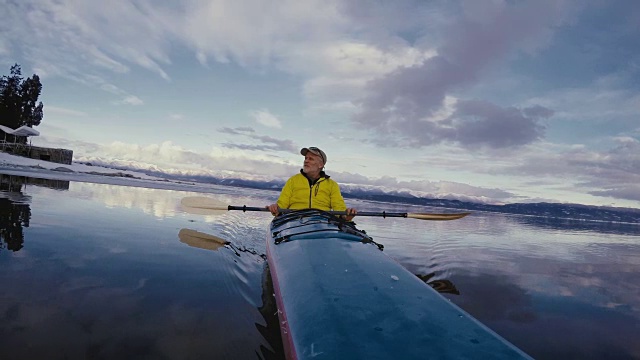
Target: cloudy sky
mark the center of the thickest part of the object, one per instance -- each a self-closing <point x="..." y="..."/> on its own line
<point x="497" y="101"/>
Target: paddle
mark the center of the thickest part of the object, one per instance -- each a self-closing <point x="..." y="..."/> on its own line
<point x="206" y="241"/>
<point x="207" y="206"/>
<point x="201" y="240"/>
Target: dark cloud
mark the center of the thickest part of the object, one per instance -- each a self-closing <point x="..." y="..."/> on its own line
<point x="617" y="172"/>
<point x="473" y="124"/>
<point x="282" y="145"/>
<point x="260" y="147"/>
<point x="485" y="124"/>
<point x="244" y="130"/>
<point x="627" y="192"/>
<point x="611" y="173"/>
<point x="398" y="105"/>
<point x="267" y="142"/>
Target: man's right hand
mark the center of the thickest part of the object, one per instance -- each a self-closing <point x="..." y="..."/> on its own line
<point x="274" y="209"/>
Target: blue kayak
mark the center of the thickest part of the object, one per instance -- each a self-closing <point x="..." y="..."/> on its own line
<point x="340" y="297"/>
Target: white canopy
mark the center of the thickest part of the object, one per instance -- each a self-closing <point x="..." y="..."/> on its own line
<point x="23" y="130"/>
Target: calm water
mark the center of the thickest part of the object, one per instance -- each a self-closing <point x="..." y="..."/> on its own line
<point x="99" y="271"/>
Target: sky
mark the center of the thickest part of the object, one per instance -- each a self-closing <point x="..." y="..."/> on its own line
<point x="491" y="101"/>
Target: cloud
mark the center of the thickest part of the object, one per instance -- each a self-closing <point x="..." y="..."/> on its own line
<point x="132" y="100"/>
<point x="243" y="130"/>
<point x="127" y="99"/>
<point x="264" y="117"/>
<point x="265" y="142"/>
<point x="171" y="158"/>
<point x="479" y="123"/>
<point x="472" y="124"/>
<point x="626" y="192"/>
<point x="613" y="172"/>
<point x="609" y="101"/>
<point x="76" y="40"/>
<point x="328" y="43"/>
<point x="54" y="110"/>
<point x="253" y="34"/>
<point x="401" y="102"/>
<point x="4" y="47"/>
<point x="616" y="173"/>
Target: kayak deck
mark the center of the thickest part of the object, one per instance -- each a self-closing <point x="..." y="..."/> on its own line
<point x="340" y="297"/>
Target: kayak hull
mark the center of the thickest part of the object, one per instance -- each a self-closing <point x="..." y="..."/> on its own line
<point x="340" y="297"/>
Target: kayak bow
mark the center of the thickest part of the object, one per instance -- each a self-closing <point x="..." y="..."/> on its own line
<point x="340" y="297"/>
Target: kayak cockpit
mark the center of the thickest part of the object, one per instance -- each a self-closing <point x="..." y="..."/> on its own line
<point x="314" y="223"/>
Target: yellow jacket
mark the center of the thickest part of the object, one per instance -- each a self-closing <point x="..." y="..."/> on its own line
<point x="298" y="193"/>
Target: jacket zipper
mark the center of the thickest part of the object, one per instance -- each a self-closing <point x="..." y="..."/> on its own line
<point x="317" y="185"/>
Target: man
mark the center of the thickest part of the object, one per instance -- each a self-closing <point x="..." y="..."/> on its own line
<point x="312" y="188"/>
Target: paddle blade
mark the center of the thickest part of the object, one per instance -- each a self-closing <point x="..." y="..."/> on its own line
<point x="201" y="240"/>
<point x="200" y="205"/>
<point x="442" y="217"/>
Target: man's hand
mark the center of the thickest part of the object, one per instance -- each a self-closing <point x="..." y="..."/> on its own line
<point x="274" y="209"/>
<point x="351" y="213"/>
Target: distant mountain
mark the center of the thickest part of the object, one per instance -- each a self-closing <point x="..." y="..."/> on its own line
<point x="554" y="210"/>
<point x="563" y="211"/>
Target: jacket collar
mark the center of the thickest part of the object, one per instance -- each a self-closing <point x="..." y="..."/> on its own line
<point x="322" y="174"/>
<point x="312" y="182"/>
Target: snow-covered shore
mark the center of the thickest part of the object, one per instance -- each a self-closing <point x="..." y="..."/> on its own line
<point x="21" y="166"/>
<point x="8" y="161"/>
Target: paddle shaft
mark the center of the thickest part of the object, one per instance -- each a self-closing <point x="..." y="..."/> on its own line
<point x="360" y="213"/>
<point x="207" y="206"/>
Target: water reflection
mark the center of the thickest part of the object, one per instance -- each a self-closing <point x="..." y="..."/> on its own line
<point x="201" y="240"/>
<point x="442" y="286"/>
<point x="14" y="183"/>
<point x="270" y="330"/>
<point x="15" y="209"/>
<point x="564" y="225"/>
<point x="103" y="275"/>
<point x="13" y="218"/>
<point x="495" y="298"/>
<point x="151" y="201"/>
<point x="269" y="311"/>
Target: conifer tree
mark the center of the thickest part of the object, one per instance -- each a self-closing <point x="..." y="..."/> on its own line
<point x="19" y="101"/>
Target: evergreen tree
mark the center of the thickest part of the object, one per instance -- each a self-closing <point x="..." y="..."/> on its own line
<point x="19" y="101"/>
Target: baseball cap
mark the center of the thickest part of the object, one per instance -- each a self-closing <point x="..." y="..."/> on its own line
<point x="314" y="150"/>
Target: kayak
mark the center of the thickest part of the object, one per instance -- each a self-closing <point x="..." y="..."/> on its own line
<point x="340" y="297"/>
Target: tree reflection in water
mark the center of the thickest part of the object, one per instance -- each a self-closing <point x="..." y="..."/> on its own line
<point x="15" y="211"/>
<point x="13" y="217"/>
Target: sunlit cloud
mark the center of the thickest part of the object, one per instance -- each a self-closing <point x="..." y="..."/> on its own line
<point x="264" y="117"/>
<point x="132" y="100"/>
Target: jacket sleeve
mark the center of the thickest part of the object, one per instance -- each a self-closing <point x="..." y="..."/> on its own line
<point x="337" y="201"/>
<point x="284" y="201"/>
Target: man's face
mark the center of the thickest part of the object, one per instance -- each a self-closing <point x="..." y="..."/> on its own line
<point x="312" y="162"/>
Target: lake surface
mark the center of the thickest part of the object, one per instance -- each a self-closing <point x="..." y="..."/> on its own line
<point x="99" y="271"/>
